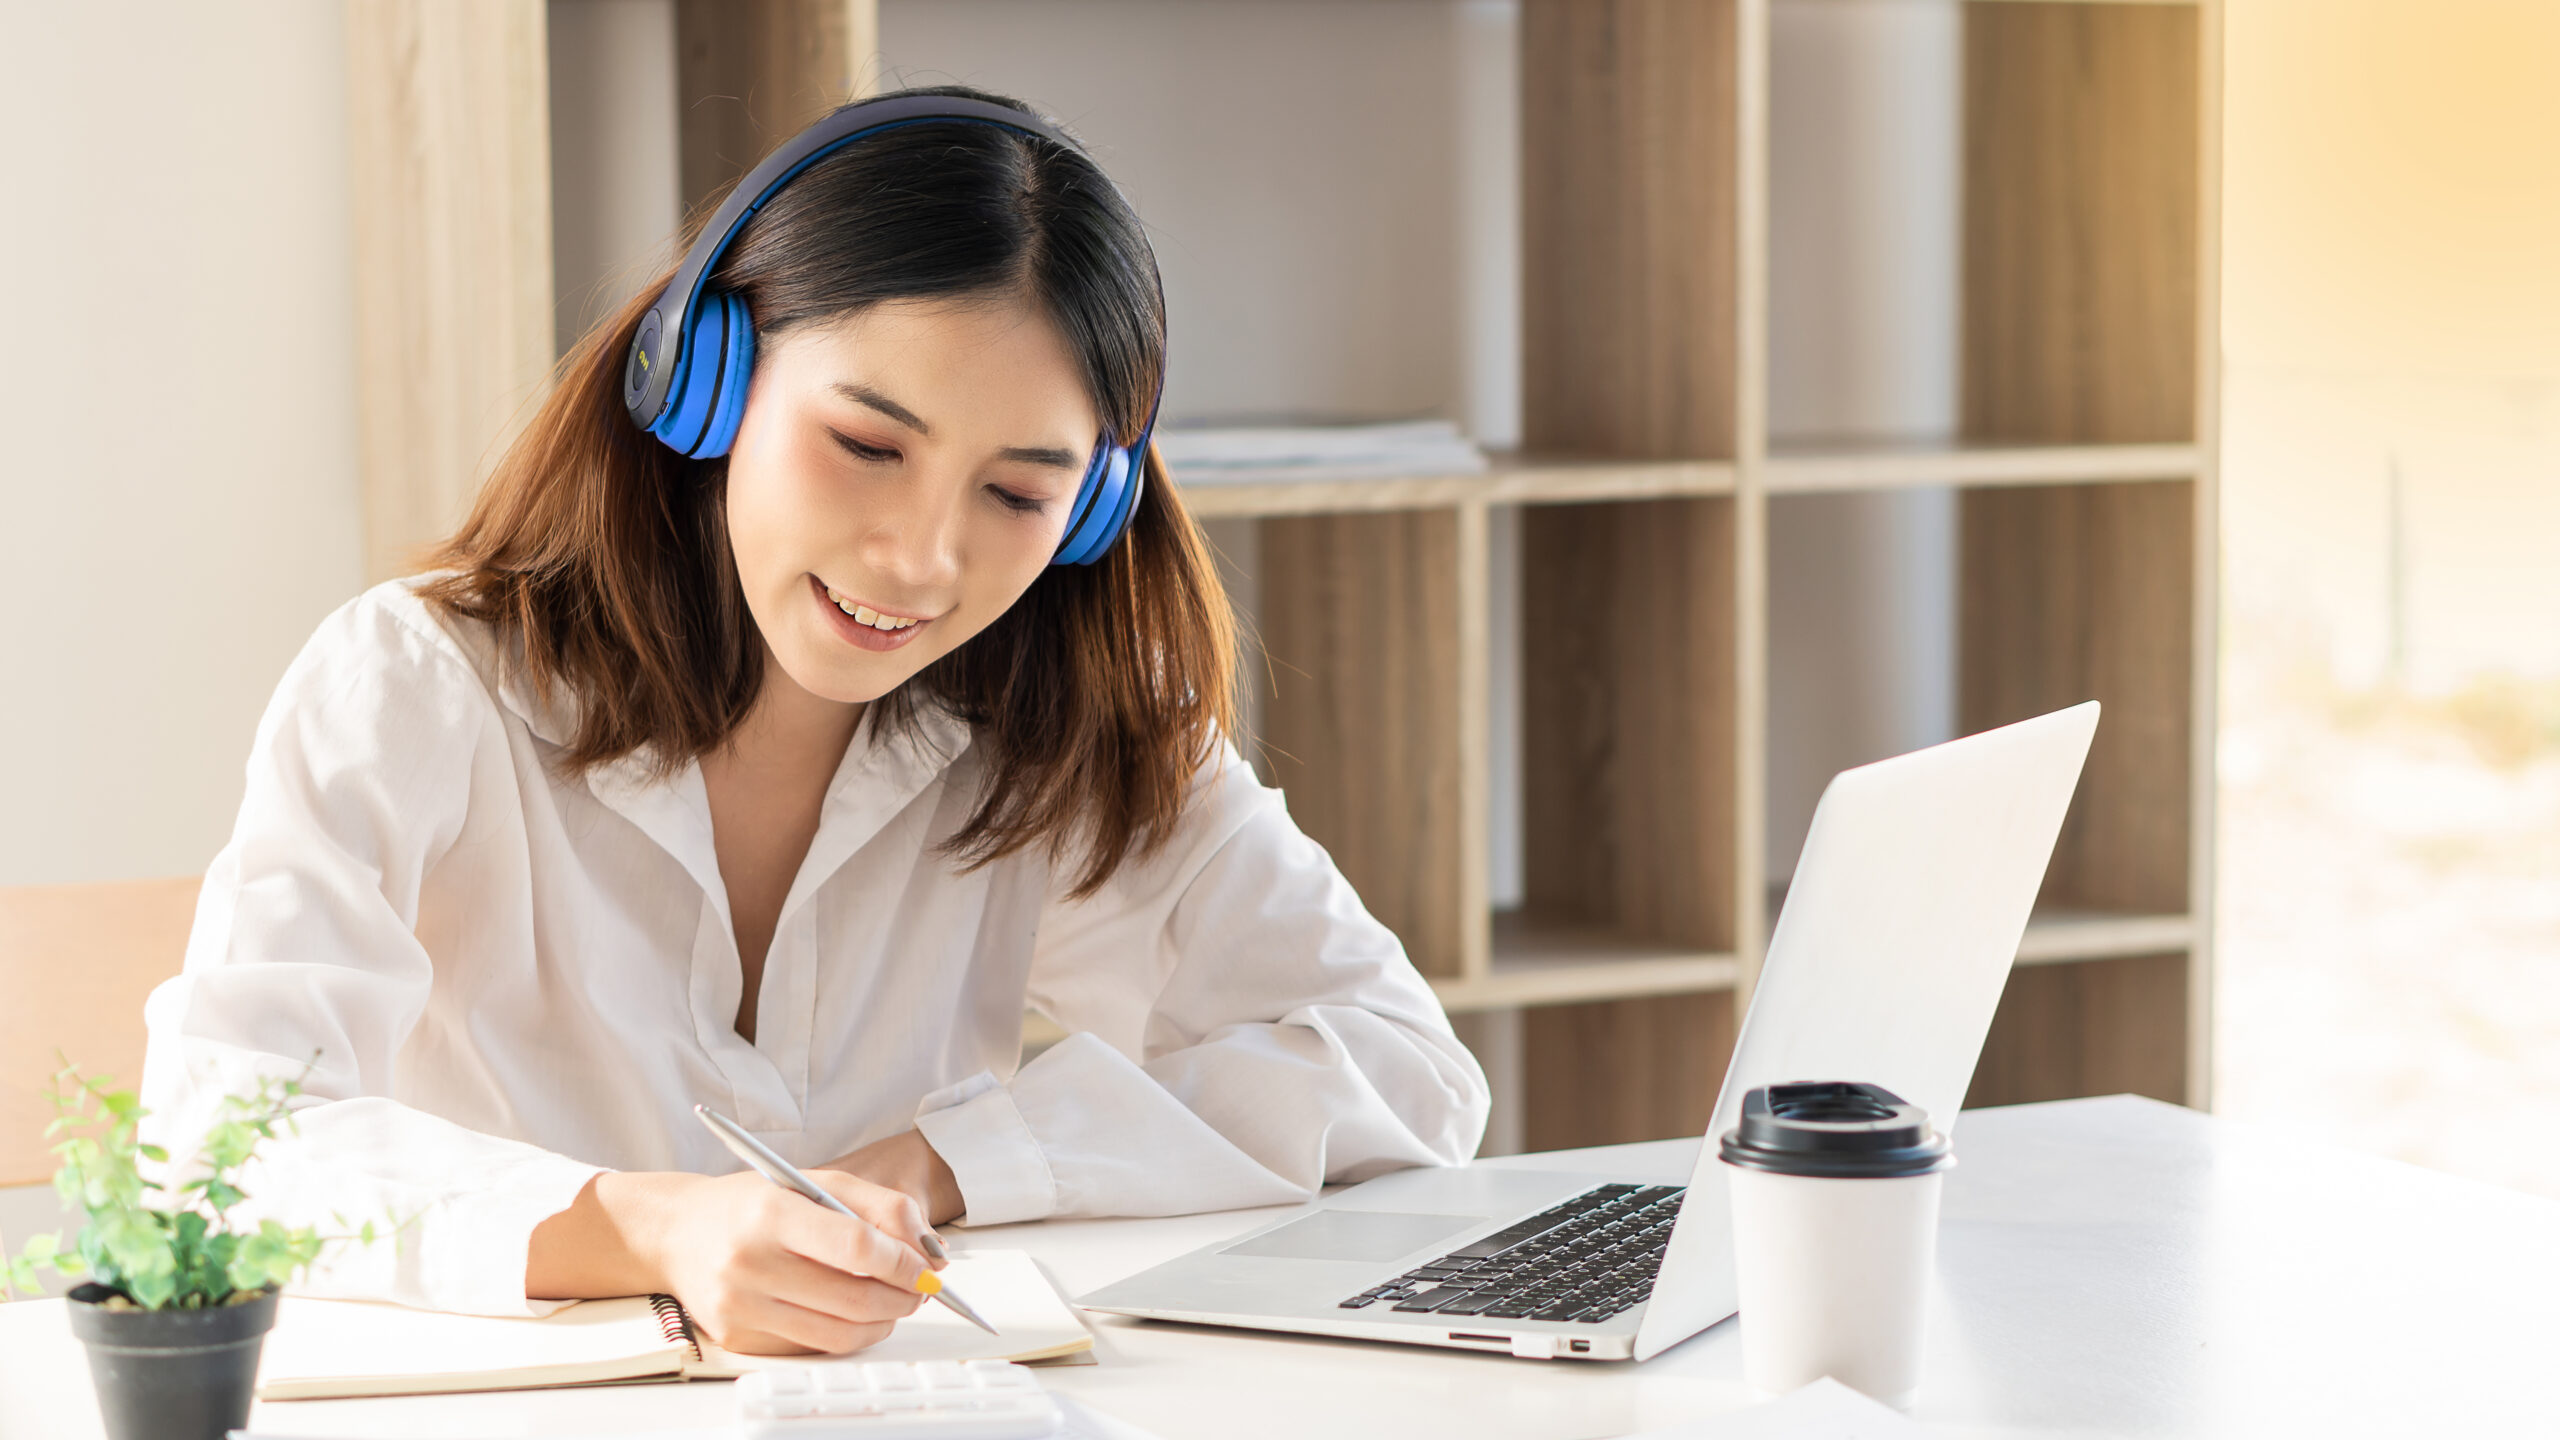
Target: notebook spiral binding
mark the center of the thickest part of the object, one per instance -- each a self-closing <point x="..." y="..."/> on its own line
<point x="677" y="1325"/>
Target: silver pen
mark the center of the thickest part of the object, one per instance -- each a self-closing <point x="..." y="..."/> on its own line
<point x="782" y="1172"/>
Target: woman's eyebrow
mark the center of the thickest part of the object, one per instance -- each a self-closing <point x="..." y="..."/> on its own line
<point x="865" y="395"/>
<point x="1048" y="455"/>
<point x="1041" y="455"/>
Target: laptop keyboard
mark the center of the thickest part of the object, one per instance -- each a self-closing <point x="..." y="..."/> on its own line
<point x="1585" y="1260"/>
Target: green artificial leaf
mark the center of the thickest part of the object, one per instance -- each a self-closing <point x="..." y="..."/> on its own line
<point x="227" y="1144"/>
<point x="151" y="1292"/>
<point x="41" y="1252"/>
<point x="160" y="1242"/>
<point x="141" y="1249"/>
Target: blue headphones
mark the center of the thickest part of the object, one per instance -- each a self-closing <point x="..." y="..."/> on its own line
<point x="686" y="379"/>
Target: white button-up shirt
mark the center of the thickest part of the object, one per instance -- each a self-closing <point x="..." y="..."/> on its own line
<point x="512" y="980"/>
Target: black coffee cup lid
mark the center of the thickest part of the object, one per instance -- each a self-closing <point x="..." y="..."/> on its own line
<point x="1840" y="1129"/>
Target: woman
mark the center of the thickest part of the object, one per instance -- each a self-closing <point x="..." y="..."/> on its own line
<point x="782" y="782"/>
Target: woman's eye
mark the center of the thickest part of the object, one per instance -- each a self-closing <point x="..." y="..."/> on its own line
<point x="860" y="451"/>
<point x="1012" y="501"/>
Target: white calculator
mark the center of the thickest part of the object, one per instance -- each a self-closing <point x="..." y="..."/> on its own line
<point x="895" y="1400"/>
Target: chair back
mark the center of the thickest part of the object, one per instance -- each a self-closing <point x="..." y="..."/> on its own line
<point x="76" y="962"/>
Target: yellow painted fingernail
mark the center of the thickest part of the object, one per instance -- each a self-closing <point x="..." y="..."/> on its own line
<point x="928" y="1283"/>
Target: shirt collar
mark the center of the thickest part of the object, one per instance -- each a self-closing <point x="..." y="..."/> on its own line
<point x="878" y="778"/>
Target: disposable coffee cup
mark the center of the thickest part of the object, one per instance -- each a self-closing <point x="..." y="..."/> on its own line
<point x="1835" y="1228"/>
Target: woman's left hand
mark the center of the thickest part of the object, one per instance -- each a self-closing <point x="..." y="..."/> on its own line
<point x="905" y="1162"/>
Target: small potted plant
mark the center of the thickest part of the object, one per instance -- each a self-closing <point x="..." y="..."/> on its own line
<point x="179" y="1299"/>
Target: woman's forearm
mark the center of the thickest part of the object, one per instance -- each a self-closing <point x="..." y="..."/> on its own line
<point x="608" y="1241"/>
<point x="907" y="1163"/>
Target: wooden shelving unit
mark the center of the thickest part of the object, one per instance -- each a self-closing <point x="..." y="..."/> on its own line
<point x="2084" y="459"/>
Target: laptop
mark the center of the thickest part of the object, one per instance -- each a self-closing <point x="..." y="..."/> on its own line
<point x="1888" y="960"/>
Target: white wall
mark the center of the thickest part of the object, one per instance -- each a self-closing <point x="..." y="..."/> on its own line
<point x="180" y="493"/>
<point x="615" y="201"/>
<point x="1864" y="174"/>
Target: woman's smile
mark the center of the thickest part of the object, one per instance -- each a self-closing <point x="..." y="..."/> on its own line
<point x="861" y="625"/>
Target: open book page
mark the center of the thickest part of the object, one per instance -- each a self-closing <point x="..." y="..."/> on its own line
<point x="335" y="1349"/>
<point x="339" y="1349"/>
<point x="1006" y="1286"/>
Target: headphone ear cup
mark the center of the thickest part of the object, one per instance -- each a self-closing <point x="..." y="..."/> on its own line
<point x="737" y="366"/>
<point x="1101" y="521"/>
<point x="717" y="352"/>
<point x="1133" y="484"/>
<point x="1086" y="488"/>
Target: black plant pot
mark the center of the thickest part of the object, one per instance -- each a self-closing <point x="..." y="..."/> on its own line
<point x="172" y="1374"/>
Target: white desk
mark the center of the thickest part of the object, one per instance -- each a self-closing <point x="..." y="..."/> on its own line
<point x="2107" y="1267"/>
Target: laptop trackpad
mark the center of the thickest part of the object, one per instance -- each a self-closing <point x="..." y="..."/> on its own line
<point x="1353" y="1235"/>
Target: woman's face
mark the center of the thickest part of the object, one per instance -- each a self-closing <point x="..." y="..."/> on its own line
<point x="900" y="477"/>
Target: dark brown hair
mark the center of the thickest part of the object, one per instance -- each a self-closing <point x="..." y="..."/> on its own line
<point x="1094" y="699"/>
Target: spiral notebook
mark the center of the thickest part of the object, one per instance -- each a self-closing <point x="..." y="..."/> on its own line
<point x="343" y="1349"/>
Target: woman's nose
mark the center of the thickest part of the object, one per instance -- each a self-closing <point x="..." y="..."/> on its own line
<point x="912" y="537"/>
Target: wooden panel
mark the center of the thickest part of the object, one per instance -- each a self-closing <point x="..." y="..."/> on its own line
<point x="1511" y="478"/>
<point x="2080" y="222"/>
<point x="2085" y="593"/>
<point x="449" y="120"/>
<point x="1931" y="465"/>
<point x="752" y="73"/>
<point x="1623" y="1070"/>
<point x="1360" y="624"/>
<point x="1627" y="179"/>
<point x="1627" y="718"/>
<point x="76" y="962"/>
<point x="2100" y="1027"/>
<point x="1471" y="669"/>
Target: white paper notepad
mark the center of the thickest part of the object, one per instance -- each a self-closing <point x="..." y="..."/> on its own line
<point x="337" y="1349"/>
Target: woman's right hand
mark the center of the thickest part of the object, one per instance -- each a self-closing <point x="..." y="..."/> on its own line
<point x="762" y="1270"/>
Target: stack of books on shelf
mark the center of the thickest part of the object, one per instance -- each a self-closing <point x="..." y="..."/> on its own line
<point x="1225" y="455"/>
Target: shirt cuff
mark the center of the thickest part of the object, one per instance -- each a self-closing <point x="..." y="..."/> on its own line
<point x="489" y="1235"/>
<point x="976" y="1129"/>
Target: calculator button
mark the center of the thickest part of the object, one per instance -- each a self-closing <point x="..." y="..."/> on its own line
<point x="947" y="1400"/>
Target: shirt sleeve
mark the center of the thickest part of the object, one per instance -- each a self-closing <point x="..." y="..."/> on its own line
<point x="304" y="962"/>
<point x="1242" y="1032"/>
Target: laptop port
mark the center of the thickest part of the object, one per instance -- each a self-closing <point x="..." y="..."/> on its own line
<point x="1480" y="1339"/>
<point x="1581" y="1347"/>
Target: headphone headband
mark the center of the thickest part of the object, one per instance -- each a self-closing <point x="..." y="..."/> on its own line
<point x="648" y="376"/>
